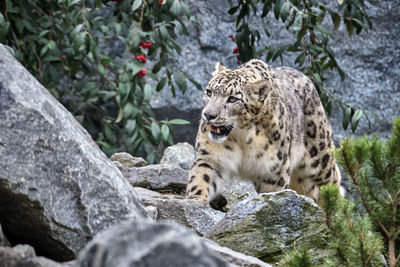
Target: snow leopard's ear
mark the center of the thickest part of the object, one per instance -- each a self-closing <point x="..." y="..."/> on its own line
<point x="258" y="90"/>
<point x="219" y="68"/>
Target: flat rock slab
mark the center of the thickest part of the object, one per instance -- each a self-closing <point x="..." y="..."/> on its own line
<point x="269" y="224"/>
<point x="233" y="257"/>
<point x="57" y="188"/>
<point x="127" y="161"/>
<point x="158" y="177"/>
<point x="191" y="213"/>
<point x="145" y="243"/>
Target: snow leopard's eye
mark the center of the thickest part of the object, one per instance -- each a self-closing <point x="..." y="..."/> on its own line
<point x="232" y="99"/>
<point x="208" y="92"/>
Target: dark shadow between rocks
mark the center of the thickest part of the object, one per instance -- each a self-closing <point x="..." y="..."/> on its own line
<point x="27" y="214"/>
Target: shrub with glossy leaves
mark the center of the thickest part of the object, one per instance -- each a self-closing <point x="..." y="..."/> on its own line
<point x="64" y="44"/>
<point x="308" y="21"/>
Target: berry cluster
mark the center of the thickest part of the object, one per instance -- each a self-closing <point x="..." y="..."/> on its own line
<point x="142" y="58"/>
<point x="146" y="45"/>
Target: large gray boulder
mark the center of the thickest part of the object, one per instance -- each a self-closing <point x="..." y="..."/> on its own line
<point x="145" y="243"/>
<point x="370" y="61"/>
<point x="194" y="214"/>
<point x="57" y="189"/>
<point x="268" y="225"/>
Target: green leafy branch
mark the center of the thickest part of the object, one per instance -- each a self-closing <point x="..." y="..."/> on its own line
<point x="306" y="20"/>
<point x="63" y="43"/>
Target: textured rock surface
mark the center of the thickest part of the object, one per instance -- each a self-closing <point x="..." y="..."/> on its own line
<point x="11" y="256"/>
<point x="128" y="161"/>
<point x="267" y="225"/>
<point x="25" y="256"/>
<point x="233" y="257"/>
<point x="371" y="61"/>
<point x="124" y="161"/>
<point x="42" y="262"/>
<point x="158" y="177"/>
<point x="193" y="214"/>
<point x="3" y="239"/>
<point x="180" y="154"/>
<point x="237" y="189"/>
<point x="57" y="189"/>
<point x="144" y="243"/>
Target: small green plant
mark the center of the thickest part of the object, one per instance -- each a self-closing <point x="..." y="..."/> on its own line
<point x="353" y="235"/>
<point x="306" y="21"/>
<point x="63" y="43"/>
<point x="373" y="166"/>
<point x="352" y="238"/>
<point x="298" y="258"/>
<point x="364" y="232"/>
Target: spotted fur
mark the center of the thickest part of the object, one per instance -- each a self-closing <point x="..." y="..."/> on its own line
<point x="266" y="125"/>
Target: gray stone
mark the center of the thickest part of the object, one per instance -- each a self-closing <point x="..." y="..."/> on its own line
<point x="269" y="224"/>
<point x="145" y="243"/>
<point x="25" y="256"/>
<point x="57" y="189"/>
<point x="370" y="61"/>
<point x="127" y="161"/>
<point x="9" y="256"/>
<point x="233" y="257"/>
<point x="191" y="213"/>
<point x="180" y="154"/>
<point x="42" y="262"/>
<point x="3" y="240"/>
<point x="152" y="212"/>
<point x="236" y="189"/>
<point x="158" y="177"/>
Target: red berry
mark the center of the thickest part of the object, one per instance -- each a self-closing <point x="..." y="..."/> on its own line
<point x="142" y="44"/>
<point x="141" y="58"/>
<point x="261" y="54"/>
<point x="238" y="61"/>
<point x="63" y="57"/>
<point x="232" y="37"/>
<point x="160" y="2"/>
<point x="236" y="50"/>
<point x="145" y="45"/>
<point x="142" y="73"/>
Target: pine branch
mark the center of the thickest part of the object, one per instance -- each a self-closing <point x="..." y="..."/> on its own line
<point x="370" y="257"/>
<point x="364" y="201"/>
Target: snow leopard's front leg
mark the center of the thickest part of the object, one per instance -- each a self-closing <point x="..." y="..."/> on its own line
<point x="203" y="178"/>
<point x="206" y="174"/>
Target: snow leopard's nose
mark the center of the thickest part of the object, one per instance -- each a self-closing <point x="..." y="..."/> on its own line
<point x="209" y="116"/>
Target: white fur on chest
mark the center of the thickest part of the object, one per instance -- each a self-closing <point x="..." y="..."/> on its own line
<point x="244" y="159"/>
<point x="252" y="161"/>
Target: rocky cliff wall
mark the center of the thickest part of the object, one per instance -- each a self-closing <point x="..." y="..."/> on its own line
<point x="370" y="60"/>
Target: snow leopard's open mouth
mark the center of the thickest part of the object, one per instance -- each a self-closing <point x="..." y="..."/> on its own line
<point x="220" y="131"/>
